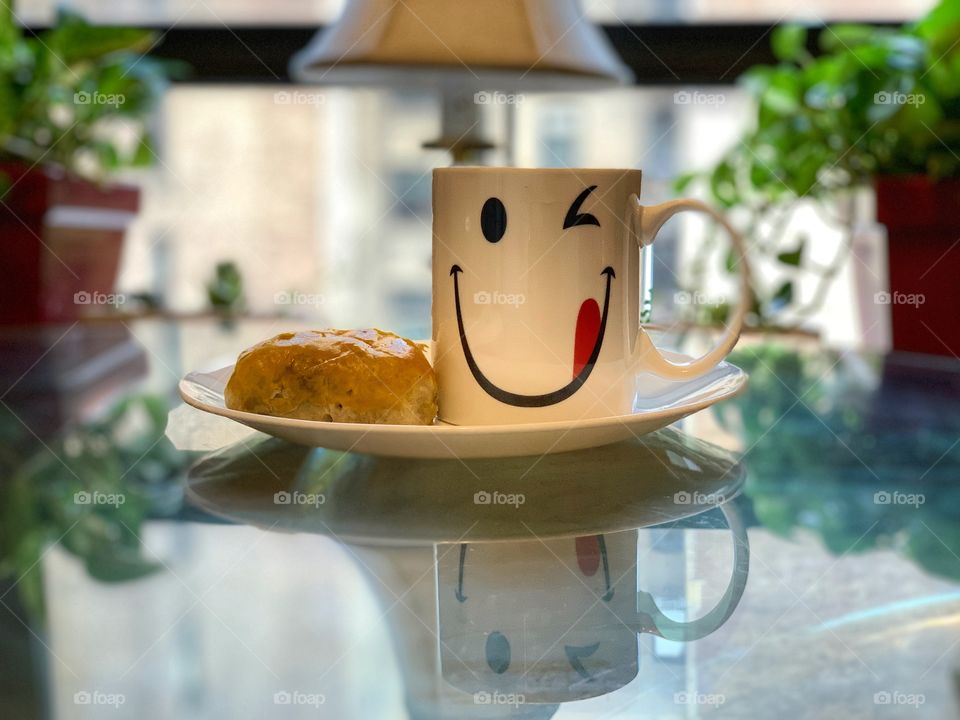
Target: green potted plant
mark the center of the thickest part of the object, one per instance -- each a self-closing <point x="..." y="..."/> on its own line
<point x="74" y="109"/>
<point x="877" y="107"/>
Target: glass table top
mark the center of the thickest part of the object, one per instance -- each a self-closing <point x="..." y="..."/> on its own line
<point x="792" y="552"/>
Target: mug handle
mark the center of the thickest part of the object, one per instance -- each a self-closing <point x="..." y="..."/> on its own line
<point x="650" y="619"/>
<point x="646" y="222"/>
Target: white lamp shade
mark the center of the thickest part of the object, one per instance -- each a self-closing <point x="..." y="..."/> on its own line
<point x="476" y="44"/>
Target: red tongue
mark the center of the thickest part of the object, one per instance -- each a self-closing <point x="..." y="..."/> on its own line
<point x="588" y="553"/>
<point x="588" y="328"/>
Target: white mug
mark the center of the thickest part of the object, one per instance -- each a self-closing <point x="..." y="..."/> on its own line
<point x="537" y="281"/>
<point x="557" y="620"/>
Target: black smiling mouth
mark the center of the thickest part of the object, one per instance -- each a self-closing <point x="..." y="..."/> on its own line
<point x="516" y="399"/>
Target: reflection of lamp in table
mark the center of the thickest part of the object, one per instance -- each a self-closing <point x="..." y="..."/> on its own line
<point x="469" y="51"/>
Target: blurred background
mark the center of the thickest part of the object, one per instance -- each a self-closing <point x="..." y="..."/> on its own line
<point x="292" y="189"/>
<point x="175" y="187"/>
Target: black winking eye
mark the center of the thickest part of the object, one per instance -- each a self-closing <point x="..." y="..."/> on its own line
<point x="574" y="216"/>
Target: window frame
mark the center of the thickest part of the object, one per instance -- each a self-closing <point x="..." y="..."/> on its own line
<point x="658" y="54"/>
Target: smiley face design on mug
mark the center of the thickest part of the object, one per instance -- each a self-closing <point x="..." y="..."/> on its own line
<point x="529" y="302"/>
<point x="538" y="278"/>
<point x="557" y="619"/>
<point x="591" y="321"/>
<point x="549" y="620"/>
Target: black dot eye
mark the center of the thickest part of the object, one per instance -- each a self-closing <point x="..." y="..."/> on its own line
<point x="498" y="652"/>
<point x="493" y="220"/>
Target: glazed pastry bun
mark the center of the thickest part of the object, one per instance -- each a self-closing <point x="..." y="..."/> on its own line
<point x="360" y="376"/>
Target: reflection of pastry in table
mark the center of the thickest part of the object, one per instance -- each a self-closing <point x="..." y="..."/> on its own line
<point x="362" y="376"/>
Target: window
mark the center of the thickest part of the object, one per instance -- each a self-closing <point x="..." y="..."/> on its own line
<point x="318" y="12"/>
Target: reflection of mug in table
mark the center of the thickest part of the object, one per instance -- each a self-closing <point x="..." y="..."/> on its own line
<point x="404" y="522"/>
<point x="556" y="620"/>
<point x="543" y="620"/>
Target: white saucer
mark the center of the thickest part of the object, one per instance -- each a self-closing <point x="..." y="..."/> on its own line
<point x="663" y="403"/>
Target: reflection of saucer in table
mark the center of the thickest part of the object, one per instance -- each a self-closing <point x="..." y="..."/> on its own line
<point x="364" y="499"/>
<point x="663" y="402"/>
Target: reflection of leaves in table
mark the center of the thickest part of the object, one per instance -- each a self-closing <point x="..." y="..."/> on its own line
<point x="824" y="437"/>
<point x="123" y="454"/>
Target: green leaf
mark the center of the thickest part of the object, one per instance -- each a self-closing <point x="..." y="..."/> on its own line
<point x="107" y="155"/>
<point x="144" y="155"/>
<point x="906" y="52"/>
<point x="837" y="38"/>
<point x="934" y="547"/>
<point x="157" y="410"/>
<point x="714" y="314"/>
<point x="681" y="183"/>
<point x="29" y="571"/>
<point x="784" y="94"/>
<point x="761" y="175"/>
<point x="730" y="261"/>
<point x="118" y="563"/>
<point x="9" y="28"/>
<point x="792" y="257"/>
<point x="723" y="185"/>
<point x="940" y="21"/>
<point x="783" y="296"/>
<point x="789" y="42"/>
<point x="804" y="175"/>
<point x="825" y="96"/>
<point x="73" y="39"/>
<point x="778" y="514"/>
<point x="756" y="79"/>
<point x="225" y="291"/>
